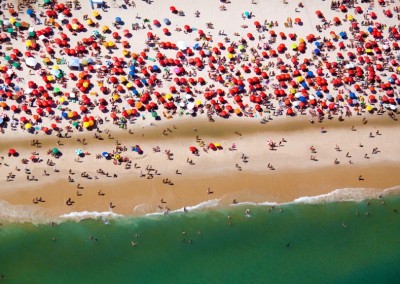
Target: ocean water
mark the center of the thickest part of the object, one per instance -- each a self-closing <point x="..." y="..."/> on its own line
<point x="296" y="243"/>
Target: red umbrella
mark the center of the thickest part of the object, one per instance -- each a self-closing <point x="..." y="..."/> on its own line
<point x="12" y="152"/>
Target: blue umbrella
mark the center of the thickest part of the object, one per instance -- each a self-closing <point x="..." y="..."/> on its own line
<point x="30" y="12"/>
<point x="329" y="97"/>
<point x="303" y="99"/>
<point x="343" y="34"/>
<point x="310" y="74"/>
<point x="317" y="44"/>
<point x="398" y="100"/>
<point x="319" y="94"/>
<point x="144" y="81"/>
<point x="391" y="80"/>
<point x="370" y="29"/>
<point x="131" y="73"/>
<point x="304" y="85"/>
<point x="196" y="46"/>
<point x="118" y="19"/>
<point x="317" y="51"/>
<point x="353" y="96"/>
<point x="104" y="154"/>
<point x="167" y="21"/>
<point x="64" y="115"/>
<point x="155" y="68"/>
<point x="247" y="14"/>
<point x="135" y="92"/>
<point x="132" y="68"/>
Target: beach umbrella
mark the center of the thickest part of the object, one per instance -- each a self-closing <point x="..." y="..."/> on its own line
<point x="30" y="61"/>
<point x="12" y="152"/>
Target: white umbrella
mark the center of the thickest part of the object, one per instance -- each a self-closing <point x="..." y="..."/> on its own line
<point x="30" y="61"/>
<point x="181" y="45"/>
<point x="190" y="106"/>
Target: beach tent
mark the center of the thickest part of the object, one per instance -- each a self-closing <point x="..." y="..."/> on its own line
<point x="98" y="3"/>
<point x="74" y="62"/>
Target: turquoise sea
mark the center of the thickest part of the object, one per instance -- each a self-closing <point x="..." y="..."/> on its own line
<point x="297" y="243"/>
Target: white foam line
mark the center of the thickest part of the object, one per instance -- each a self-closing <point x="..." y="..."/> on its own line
<point x="90" y="215"/>
<point x="202" y="205"/>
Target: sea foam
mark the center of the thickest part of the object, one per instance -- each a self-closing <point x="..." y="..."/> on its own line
<point x="90" y="215"/>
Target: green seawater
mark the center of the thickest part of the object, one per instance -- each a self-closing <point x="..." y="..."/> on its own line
<point x="323" y="243"/>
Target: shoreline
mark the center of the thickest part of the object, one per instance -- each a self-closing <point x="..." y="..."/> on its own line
<point x="335" y="196"/>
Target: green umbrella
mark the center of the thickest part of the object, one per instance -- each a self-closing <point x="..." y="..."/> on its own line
<point x="16" y="64"/>
<point x="75" y="124"/>
<point x="31" y="34"/>
<point x="55" y="151"/>
<point x="7" y="58"/>
<point x="17" y="24"/>
<point x="1" y="22"/>
<point x="47" y="1"/>
<point x="154" y="114"/>
<point x="10" y="30"/>
<point x="59" y="75"/>
<point x="56" y="90"/>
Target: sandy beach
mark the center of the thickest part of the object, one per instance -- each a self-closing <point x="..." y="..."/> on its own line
<point x="130" y="133"/>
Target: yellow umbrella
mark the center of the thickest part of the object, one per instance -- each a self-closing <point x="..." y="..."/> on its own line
<point x="70" y="114"/>
<point x="168" y="96"/>
<point x="12" y="21"/>
<point x="28" y="43"/>
<point x="56" y="67"/>
<point x="110" y="43"/>
<point x="369" y="108"/>
<point x="301" y="39"/>
<point x="61" y="100"/>
<point x="292" y="91"/>
<point x="230" y="55"/>
<point x="28" y="126"/>
<point x="85" y="84"/>
<point x="46" y="60"/>
<point x="95" y="13"/>
<point x="74" y="26"/>
<point x="86" y="124"/>
<point x="217" y="145"/>
<point x="125" y="52"/>
<point x="50" y="78"/>
<point x="122" y="79"/>
<point x="91" y="122"/>
<point x="300" y="79"/>
<point x="105" y="28"/>
<point x="198" y="103"/>
<point x="129" y="111"/>
<point x="138" y="105"/>
<point x="238" y="111"/>
<point x="368" y="50"/>
<point x="129" y="85"/>
<point x="115" y="97"/>
<point x="117" y="156"/>
<point x="350" y="17"/>
<point x="89" y="22"/>
<point x="3" y="104"/>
